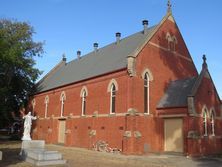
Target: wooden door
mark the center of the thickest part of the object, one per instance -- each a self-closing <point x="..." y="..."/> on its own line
<point x="62" y="129"/>
<point x="173" y="135"/>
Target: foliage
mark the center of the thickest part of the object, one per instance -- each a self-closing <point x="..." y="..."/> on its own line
<point x="17" y="71"/>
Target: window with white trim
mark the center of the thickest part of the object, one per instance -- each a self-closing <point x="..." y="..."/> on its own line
<point x="172" y="41"/>
<point x="205" y="122"/>
<point x="212" y="121"/>
<point x="62" y="99"/>
<point x="83" y="102"/>
<point x="33" y="106"/>
<point x="46" y="105"/>
<point x="146" y="93"/>
<point x="113" y="99"/>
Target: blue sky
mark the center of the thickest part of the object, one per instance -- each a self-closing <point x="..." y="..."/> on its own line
<point x="70" y="25"/>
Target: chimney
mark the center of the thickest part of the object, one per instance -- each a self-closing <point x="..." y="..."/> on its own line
<point x="78" y="54"/>
<point x="145" y="26"/>
<point x="95" y="45"/>
<point x="64" y="57"/>
<point x="118" y="35"/>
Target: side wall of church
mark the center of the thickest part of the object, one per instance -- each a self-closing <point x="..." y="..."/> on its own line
<point x="206" y="99"/>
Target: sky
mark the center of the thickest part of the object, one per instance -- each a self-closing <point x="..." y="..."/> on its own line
<point x="66" y="26"/>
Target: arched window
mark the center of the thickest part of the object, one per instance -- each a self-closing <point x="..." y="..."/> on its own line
<point x="169" y="40"/>
<point x="172" y="41"/>
<point x="33" y="106"/>
<point x="62" y="99"/>
<point x="205" y="122"/>
<point x="212" y="121"/>
<point x="84" y="102"/>
<point x="113" y="99"/>
<point x="46" y="105"/>
<point x="83" y="95"/>
<point x="112" y="89"/>
<point x="146" y="93"/>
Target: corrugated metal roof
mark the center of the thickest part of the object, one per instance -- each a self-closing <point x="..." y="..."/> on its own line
<point x="177" y="92"/>
<point x="107" y="59"/>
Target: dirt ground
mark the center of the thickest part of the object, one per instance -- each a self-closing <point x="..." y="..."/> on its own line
<point x="78" y="157"/>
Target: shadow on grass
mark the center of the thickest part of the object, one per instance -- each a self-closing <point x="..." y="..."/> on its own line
<point x="10" y="153"/>
<point x="10" y="156"/>
<point x="207" y="162"/>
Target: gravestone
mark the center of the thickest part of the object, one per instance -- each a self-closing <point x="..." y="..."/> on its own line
<point x="0" y="155"/>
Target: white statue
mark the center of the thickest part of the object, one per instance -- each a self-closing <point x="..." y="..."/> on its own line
<point x="27" y="125"/>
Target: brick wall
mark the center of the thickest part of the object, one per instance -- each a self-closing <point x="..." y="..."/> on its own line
<point x="203" y="145"/>
<point x="145" y="132"/>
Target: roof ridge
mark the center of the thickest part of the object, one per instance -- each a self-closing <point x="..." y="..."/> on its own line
<point x="183" y="79"/>
<point x="125" y="38"/>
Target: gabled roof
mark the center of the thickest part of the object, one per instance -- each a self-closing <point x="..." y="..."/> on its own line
<point x="110" y="58"/>
<point x="177" y="93"/>
<point x="204" y="72"/>
<point x="107" y="59"/>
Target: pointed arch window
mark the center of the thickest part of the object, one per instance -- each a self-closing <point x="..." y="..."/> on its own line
<point x="112" y="89"/>
<point x="212" y="121"/>
<point x="146" y="93"/>
<point x="62" y="99"/>
<point x="113" y="99"/>
<point x="33" y="106"/>
<point x="46" y="105"/>
<point x="84" y="102"/>
<point x="172" y="41"/>
<point x="205" y="122"/>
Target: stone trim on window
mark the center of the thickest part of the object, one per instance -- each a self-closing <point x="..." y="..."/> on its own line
<point x="46" y="105"/>
<point x="205" y="116"/>
<point x="172" y="41"/>
<point x="113" y="99"/>
<point x="33" y="105"/>
<point x="212" y="120"/>
<point x="83" y="95"/>
<point x="84" y="88"/>
<point x="147" y="77"/>
<point x="148" y="71"/>
<point x="62" y="99"/>
<point x="113" y="81"/>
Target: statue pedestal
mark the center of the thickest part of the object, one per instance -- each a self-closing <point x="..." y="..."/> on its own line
<point x="29" y="145"/>
<point x="33" y="151"/>
<point x="33" y="144"/>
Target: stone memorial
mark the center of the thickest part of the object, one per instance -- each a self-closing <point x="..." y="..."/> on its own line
<point x="33" y="151"/>
<point x="27" y="126"/>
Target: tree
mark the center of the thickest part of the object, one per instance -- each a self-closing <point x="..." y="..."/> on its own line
<point x="17" y="71"/>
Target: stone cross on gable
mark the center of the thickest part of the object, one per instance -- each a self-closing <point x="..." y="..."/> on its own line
<point x="169" y="6"/>
<point x="204" y="58"/>
<point x="204" y="65"/>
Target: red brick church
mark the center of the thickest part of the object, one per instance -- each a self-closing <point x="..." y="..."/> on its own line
<point x="141" y="94"/>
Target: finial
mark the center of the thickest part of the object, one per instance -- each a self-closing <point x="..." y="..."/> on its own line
<point x="169" y="10"/>
<point x="204" y="65"/>
<point x="204" y="58"/>
<point x="63" y="57"/>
